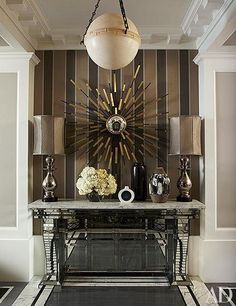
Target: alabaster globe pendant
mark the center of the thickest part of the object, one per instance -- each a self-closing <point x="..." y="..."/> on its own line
<point x="108" y="44"/>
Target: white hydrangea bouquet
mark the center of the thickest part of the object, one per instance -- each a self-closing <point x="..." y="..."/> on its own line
<point x="96" y="184"/>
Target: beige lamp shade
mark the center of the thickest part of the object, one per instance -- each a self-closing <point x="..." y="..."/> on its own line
<point x="185" y="135"/>
<point x="108" y="45"/>
<point x="48" y="135"/>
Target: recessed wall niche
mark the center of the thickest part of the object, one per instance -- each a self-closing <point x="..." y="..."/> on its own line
<point x="169" y="71"/>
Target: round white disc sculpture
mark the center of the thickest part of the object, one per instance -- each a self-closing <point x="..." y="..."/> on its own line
<point x="108" y="45"/>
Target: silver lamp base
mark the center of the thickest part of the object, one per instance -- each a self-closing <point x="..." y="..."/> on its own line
<point x="49" y="183"/>
<point x="184" y="183"/>
<point x="49" y="198"/>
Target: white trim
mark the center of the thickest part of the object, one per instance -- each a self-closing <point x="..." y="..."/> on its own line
<point x="20" y="236"/>
<point x="215" y="145"/>
<point x="218" y="228"/>
<point x="18" y="132"/>
<point x="8" y="228"/>
<point x="40" y="35"/>
<point x="191" y="45"/>
<point x="20" y="55"/>
<point x="190" y="15"/>
<point x="216" y="259"/>
<point x="13" y="239"/>
<point x="39" y="16"/>
<point x="16" y="257"/>
<point x="225" y="7"/>
<point x="17" y="30"/>
<point x="214" y="55"/>
<point x="20" y="65"/>
<point x="219" y="240"/>
<point x="210" y="63"/>
<point x="202" y="17"/>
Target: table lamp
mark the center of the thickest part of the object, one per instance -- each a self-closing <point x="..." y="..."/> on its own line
<point x="49" y="141"/>
<point x="185" y="140"/>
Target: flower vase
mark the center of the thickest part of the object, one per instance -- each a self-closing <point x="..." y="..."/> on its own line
<point x="94" y="197"/>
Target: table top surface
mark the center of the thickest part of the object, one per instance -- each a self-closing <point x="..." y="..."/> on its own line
<point x="114" y="205"/>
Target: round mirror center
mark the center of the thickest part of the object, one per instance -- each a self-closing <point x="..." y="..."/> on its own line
<point x="116" y="124"/>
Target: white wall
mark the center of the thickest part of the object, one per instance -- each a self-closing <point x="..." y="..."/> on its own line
<point x="16" y="242"/>
<point x="8" y="98"/>
<point x="217" y="245"/>
<point x="226" y="148"/>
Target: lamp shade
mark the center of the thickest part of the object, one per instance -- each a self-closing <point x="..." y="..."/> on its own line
<point x="185" y="135"/>
<point x="107" y="43"/>
<point x="48" y="135"/>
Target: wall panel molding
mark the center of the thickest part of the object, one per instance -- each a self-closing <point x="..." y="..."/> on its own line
<point x="226" y="149"/>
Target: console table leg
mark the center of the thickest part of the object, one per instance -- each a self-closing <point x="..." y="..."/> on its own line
<point x="146" y="228"/>
<point x="50" y="251"/>
<point x="60" y="239"/>
<point x="86" y="229"/>
<point x="182" y="252"/>
<point x="170" y="248"/>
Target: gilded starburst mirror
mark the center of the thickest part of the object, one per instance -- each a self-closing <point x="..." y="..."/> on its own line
<point x="111" y="126"/>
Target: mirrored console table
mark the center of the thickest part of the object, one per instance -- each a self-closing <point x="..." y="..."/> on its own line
<point x="116" y="242"/>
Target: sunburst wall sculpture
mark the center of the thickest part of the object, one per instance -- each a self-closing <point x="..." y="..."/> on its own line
<point x="110" y="127"/>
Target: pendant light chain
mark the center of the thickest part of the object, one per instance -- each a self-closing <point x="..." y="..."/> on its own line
<point x="90" y="21"/>
<point x="94" y="13"/>
<point x="122" y="8"/>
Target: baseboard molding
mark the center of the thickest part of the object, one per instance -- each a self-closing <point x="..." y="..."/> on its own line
<point x="39" y="256"/>
<point x="193" y="256"/>
<point x="16" y="260"/>
<point x="213" y="260"/>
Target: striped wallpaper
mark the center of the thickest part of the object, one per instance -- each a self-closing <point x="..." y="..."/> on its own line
<point x="169" y="71"/>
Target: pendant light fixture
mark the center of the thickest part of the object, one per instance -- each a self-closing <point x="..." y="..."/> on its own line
<point x="112" y="40"/>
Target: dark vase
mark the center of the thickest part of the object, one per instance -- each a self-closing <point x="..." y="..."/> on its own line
<point x="139" y="181"/>
<point x="94" y="197"/>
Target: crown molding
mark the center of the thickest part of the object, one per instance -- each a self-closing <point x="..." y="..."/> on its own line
<point x="12" y="32"/>
<point x="152" y="37"/>
<point x="29" y="56"/>
<point x="14" y="17"/>
<point x="214" y="55"/>
<point x="205" y="41"/>
<point x="34" y="59"/>
<point x="27" y="18"/>
<point x="190" y="15"/>
<point x="39" y="16"/>
<point x="32" y="23"/>
<point x="157" y="43"/>
<point x="201" y="16"/>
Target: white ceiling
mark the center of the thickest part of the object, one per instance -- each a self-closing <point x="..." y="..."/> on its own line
<point x="72" y="15"/>
<point x="59" y="24"/>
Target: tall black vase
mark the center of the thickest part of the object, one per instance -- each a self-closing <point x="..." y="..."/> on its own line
<point x="139" y="181"/>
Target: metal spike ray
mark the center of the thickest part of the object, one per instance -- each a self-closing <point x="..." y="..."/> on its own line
<point x="131" y="84"/>
<point x="130" y="104"/>
<point x="87" y="132"/>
